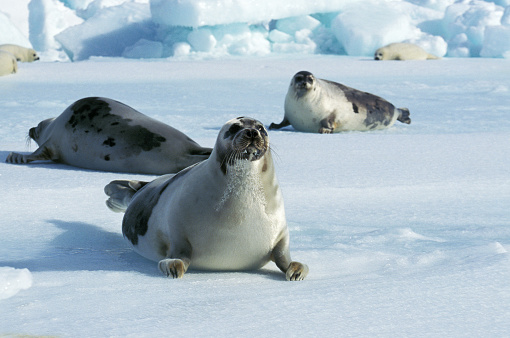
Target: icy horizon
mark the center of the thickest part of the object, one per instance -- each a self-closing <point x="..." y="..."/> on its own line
<point x="199" y="29"/>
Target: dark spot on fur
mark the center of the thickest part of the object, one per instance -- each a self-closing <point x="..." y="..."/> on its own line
<point x="87" y="109"/>
<point x="94" y="115"/>
<point x="75" y="147"/>
<point x="232" y="131"/>
<point x="145" y="139"/>
<point x="109" y="142"/>
<point x="378" y="110"/>
<point x="163" y="249"/>
<point x="136" y="219"/>
<point x="355" y="108"/>
<point x="107" y="157"/>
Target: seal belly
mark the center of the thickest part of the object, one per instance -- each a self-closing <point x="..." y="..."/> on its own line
<point x="245" y="244"/>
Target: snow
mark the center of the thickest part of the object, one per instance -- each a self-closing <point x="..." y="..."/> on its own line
<point x="76" y="30"/>
<point x="13" y="280"/>
<point x="406" y="231"/>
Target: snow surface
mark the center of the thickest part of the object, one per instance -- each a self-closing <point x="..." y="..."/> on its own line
<point x="406" y="231"/>
<point x="76" y="30"/>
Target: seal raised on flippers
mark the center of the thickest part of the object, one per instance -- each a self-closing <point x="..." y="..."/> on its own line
<point x="104" y="134"/>
<point x="320" y="106"/>
<point x="225" y="213"/>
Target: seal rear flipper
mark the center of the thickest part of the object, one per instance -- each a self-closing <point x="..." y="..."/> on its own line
<point x="404" y="115"/>
<point x="121" y="192"/>
<point x="282" y="124"/>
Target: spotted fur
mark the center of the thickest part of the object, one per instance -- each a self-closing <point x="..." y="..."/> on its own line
<point x="225" y="213"/>
<point x="323" y="106"/>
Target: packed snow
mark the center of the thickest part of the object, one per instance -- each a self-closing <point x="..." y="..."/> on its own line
<point x="406" y="231"/>
<point x="77" y="30"/>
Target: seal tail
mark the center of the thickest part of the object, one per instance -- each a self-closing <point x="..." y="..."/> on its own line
<point x="403" y="115"/>
<point x="121" y="192"/>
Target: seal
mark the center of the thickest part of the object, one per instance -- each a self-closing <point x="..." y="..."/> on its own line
<point x="225" y="213"/>
<point x="104" y="134"/>
<point x="8" y="64"/>
<point x="403" y="51"/>
<point x="316" y="105"/>
<point x="21" y="53"/>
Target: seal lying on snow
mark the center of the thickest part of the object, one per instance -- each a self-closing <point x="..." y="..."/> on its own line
<point x="316" y="105"/>
<point x="8" y="64"/>
<point x="225" y="213"/>
<point x="403" y="51"/>
<point x="104" y="134"/>
<point x="21" y="53"/>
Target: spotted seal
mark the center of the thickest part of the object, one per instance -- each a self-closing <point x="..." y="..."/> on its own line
<point x="225" y="213"/>
<point x="316" y="105"/>
<point x="104" y="134"/>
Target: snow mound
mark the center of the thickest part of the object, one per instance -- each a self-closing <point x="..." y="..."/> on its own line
<point x="9" y="33"/>
<point x="13" y="280"/>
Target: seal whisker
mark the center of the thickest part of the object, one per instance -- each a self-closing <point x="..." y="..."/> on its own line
<point x="28" y="142"/>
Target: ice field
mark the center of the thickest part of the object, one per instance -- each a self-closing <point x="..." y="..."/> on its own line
<point x="406" y="231"/>
<point x="196" y="29"/>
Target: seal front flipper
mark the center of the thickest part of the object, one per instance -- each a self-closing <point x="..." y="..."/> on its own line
<point x="174" y="267"/>
<point x="121" y="192"/>
<point x="328" y="124"/>
<point x="41" y="154"/>
<point x="294" y="271"/>
<point x="282" y="124"/>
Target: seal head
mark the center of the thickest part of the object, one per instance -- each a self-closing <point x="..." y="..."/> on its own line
<point x="241" y="139"/>
<point x="303" y="82"/>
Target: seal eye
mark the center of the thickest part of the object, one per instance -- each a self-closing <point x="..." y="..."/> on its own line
<point x="261" y="129"/>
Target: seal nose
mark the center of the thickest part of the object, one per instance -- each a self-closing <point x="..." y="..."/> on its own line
<point x="252" y="133"/>
<point x="31" y="133"/>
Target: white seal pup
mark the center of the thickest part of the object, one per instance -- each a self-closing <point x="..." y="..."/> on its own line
<point x="21" y="53"/>
<point x="225" y="213"/>
<point x="403" y="51"/>
<point x="104" y="134"/>
<point x="320" y="106"/>
<point x="8" y="63"/>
